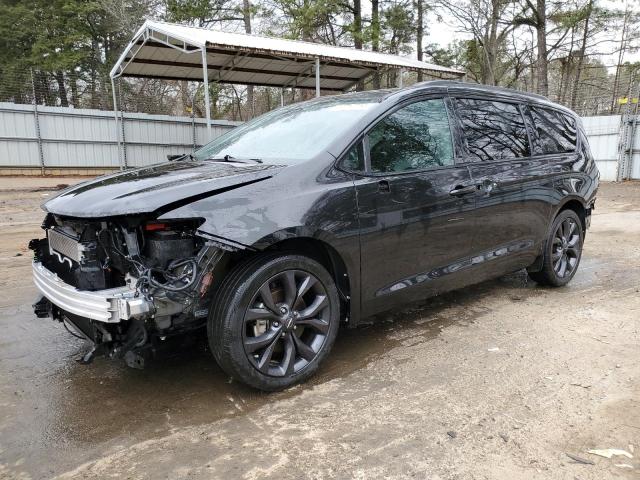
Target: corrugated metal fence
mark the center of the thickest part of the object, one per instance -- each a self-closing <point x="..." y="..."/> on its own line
<point x="615" y="143"/>
<point x="60" y="138"/>
<point x="603" y="135"/>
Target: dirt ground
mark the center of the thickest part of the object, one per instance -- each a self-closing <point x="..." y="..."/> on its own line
<point x="499" y="381"/>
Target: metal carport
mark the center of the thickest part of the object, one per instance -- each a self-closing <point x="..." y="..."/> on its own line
<point x="177" y="52"/>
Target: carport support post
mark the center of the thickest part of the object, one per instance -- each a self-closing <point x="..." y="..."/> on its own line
<point x="37" y="124"/>
<point x="400" y="72"/>
<point x="115" y="116"/>
<point x="205" y="79"/>
<point x="317" y="76"/>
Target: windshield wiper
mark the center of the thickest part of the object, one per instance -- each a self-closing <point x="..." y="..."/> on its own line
<point x="229" y="158"/>
<point x="180" y="156"/>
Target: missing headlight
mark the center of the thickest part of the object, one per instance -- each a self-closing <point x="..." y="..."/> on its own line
<point x="165" y="246"/>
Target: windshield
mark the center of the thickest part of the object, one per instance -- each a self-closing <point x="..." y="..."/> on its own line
<point x="290" y="134"/>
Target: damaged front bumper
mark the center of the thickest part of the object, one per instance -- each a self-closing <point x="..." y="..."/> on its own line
<point x="109" y="306"/>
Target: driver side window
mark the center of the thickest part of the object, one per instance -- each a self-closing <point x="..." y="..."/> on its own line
<point x="415" y="137"/>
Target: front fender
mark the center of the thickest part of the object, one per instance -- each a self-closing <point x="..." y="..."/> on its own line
<point x="265" y="213"/>
<point x="256" y="214"/>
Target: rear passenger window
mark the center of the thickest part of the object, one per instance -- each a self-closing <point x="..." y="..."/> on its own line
<point x="492" y="130"/>
<point x="414" y="137"/>
<point x="555" y="131"/>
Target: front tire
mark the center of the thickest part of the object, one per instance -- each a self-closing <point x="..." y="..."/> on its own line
<point x="274" y="320"/>
<point x="562" y="251"/>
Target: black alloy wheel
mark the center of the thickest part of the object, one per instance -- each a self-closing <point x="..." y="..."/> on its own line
<point x="286" y="323"/>
<point x="274" y="320"/>
<point x="562" y="251"/>
<point x="565" y="250"/>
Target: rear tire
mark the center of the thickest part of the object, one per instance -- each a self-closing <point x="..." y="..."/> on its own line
<point x="562" y="251"/>
<point x="274" y="320"/>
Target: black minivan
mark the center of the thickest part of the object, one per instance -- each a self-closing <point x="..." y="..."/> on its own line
<point x="314" y="215"/>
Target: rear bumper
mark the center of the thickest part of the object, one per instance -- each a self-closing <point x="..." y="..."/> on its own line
<point x="588" y="212"/>
<point x="108" y="306"/>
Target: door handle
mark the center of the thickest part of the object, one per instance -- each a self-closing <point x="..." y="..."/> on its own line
<point x="461" y="190"/>
<point x="488" y="186"/>
<point x="383" y="186"/>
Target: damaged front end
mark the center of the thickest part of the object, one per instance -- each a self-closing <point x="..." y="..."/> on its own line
<point x="124" y="283"/>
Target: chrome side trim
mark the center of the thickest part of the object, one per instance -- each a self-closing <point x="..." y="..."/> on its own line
<point x="458" y="265"/>
<point x="109" y="306"/>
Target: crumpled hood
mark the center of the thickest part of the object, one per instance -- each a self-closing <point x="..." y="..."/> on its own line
<point x="148" y="189"/>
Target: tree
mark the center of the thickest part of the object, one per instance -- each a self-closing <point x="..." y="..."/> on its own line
<point x="550" y="46"/>
<point x="375" y="36"/>
<point x="419" y="4"/>
<point x="629" y="36"/>
<point x="202" y="13"/>
<point x="246" y="16"/>
<point x="449" y="56"/>
<point x="398" y="25"/>
<point x="16" y="37"/>
<point x="354" y="28"/>
<point x="540" y="22"/>
<point x="554" y="20"/>
<point x="490" y="22"/>
<point x="306" y="20"/>
<point x="67" y="44"/>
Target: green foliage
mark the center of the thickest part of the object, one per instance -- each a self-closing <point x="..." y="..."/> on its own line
<point x="453" y="55"/>
<point x="69" y="40"/>
<point x="70" y="45"/>
<point x="398" y="25"/>
<point x="63" y="38"/>
<point x="202" y="13"/>
<point x="304" y="19"/>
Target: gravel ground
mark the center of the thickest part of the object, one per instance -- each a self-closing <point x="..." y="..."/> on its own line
<point x="498" y="381"/>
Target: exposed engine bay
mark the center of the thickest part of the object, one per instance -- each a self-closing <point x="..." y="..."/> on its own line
<point x="124" y="283"/>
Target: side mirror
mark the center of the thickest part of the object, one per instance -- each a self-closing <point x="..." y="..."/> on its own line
<point x="172" y="157"/>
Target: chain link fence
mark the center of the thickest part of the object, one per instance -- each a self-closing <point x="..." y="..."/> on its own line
<point x="601" y="91"/>
<point x="151" y="96"/>
<point x="160" y="117"/>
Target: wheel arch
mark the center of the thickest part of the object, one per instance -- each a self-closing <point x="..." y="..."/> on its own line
<point x="316" y="245"/>
<point x="325" y="254"/>
<point x="569" y="203"/>
<point x="577" y="205"/>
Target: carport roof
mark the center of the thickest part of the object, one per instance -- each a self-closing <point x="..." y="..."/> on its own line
<point x="173" y="52"/>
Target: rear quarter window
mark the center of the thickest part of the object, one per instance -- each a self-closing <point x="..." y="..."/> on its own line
<point x="555" y="131"/>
